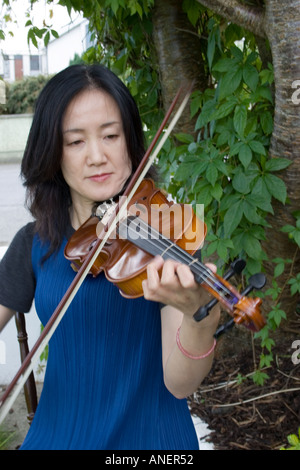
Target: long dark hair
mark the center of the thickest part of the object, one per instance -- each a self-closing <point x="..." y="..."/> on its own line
<point x="48" y="195"/>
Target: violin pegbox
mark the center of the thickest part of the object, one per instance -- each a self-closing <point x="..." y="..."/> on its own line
<point x="245" y="311"/>
<point x="105" y="210"/>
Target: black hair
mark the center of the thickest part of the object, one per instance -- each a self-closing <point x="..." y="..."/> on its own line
<point x="48" y="195"/>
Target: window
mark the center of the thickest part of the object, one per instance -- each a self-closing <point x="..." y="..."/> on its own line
<point x="34" y="63"/>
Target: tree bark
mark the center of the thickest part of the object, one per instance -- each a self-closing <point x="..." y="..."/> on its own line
<point x="248" y="16"/>
<point x="282" y="28"/>
<point x="179" y="55"/>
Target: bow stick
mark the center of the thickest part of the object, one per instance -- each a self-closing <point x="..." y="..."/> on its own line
<point x="27" y="366"/>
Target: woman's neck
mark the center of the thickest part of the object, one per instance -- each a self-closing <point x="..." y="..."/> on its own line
<point x="79" y="215"/>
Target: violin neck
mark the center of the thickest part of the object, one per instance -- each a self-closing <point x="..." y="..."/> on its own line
<point x="153" y="242"/>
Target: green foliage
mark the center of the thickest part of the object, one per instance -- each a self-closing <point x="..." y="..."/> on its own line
<point x="21" y="95"/>
<point x="294" y="441"/>
<point x="5" y="437"/>
<point x="226" y="166"/>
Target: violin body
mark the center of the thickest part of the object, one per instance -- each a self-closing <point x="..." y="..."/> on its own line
<point x="155" y="226"/>
<point x="124" y="263"/>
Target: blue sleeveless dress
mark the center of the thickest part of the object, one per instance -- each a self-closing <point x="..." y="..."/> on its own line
<point x="103" y="386"/>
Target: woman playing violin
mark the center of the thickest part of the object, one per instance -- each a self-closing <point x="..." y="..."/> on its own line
<point x="118" y="369"/>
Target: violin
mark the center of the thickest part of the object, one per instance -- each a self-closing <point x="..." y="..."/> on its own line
<point x="152" y="226"/>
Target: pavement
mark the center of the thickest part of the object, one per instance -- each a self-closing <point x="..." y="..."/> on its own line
<point x="13" y="216"/>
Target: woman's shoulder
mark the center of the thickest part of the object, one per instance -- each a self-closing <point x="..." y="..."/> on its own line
<point x="25" y="233"/>
<point x="17" y="281"/>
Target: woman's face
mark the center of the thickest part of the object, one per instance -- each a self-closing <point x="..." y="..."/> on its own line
<point x="95" y="161"/>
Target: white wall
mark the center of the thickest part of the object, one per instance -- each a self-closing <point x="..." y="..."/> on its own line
<point x="14" y="131"/>
<point x="60" y="51"/>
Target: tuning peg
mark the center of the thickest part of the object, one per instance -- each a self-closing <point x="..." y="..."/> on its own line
<point x="257" y="282"/>
<point x="236" y="267"/>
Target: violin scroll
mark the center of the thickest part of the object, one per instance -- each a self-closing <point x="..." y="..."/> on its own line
<point x="246" y="310"/>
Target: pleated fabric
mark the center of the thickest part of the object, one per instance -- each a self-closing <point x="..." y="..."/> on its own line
<point x="103" y="385"/>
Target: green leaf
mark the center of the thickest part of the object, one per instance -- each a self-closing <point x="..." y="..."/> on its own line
<point x="279" y="268"/>
<point x="250" y="213"/>
<point x="261" y="201"/>
<point x="259" y="377"/>
<point x="232" y="218"/>
<point x="185" y="138"/>
<point x="230" y="82"/>
<point x="287" y="228"/>
<point x="245" y="155"/>
<point x="206" y="113"/>
<point x="295" y="284"/>
<point x="277" y="164"/>
<point x="241" y="183"/>
<point x="217" y="191"/>
<point x="237" y="53"/>
<point x="47" y="38"/>
<point x="276" y="314"/>
<point x="223" y="65"/>
<point x="252" y="246"/>
<point x="257" y="147"/>
<point x="266" y="121"/>
<point x="276" y="187"/>
<point x="32" y="37"/>
<point x="54" y="33"/>
<point x="223" y="110"/>
<point x="296" y="236"/>
<point x="211" y="46"/>
<point x="211" y="174"/>
<point x="250" y="76"/>
<point x="240" y="119"/>
<point x="293" y="440"/>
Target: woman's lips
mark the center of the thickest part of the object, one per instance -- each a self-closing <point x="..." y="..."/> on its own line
<point x="100" y="178"/>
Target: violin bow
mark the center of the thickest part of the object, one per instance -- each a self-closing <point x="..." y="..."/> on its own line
<point x="14" y="388"/>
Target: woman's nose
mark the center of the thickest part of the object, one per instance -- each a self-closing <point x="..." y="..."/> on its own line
<point x="95" y="153"/>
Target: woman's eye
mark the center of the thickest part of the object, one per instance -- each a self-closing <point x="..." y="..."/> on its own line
<point x="111" y="136"/>
<point x="76" y="142"/>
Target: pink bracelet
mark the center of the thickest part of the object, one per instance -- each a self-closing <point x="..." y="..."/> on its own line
<point x="190" y="356"/>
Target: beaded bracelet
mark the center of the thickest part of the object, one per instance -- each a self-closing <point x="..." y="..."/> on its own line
<point x="190" y="356"/>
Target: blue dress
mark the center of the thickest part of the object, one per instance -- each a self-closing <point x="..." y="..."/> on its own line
<point x="103" y="386"/>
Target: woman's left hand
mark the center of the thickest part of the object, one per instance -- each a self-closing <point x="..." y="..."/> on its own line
<point x="173" y="283"/>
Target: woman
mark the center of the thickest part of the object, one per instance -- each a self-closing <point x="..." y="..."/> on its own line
<point x="118" y="370"/>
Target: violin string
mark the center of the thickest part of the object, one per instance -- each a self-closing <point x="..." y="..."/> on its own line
<point x="164" y="244"/>
<point x="181" y="255"/>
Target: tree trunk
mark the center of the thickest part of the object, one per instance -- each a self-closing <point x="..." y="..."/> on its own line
<point x="282" y="28"/>
<point x="179" y="54"/>
<point x="250" y="17"/>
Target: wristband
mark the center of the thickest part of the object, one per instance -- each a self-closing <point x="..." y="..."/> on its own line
<point x="190" y="356"/>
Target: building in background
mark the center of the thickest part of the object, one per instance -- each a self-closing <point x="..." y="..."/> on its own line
<point x="75" y="38"/>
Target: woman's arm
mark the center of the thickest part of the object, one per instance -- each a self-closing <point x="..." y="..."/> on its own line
<point x="183" y="375"/>
<point x="5" y="315"/>
<point x="177" y="288"/>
